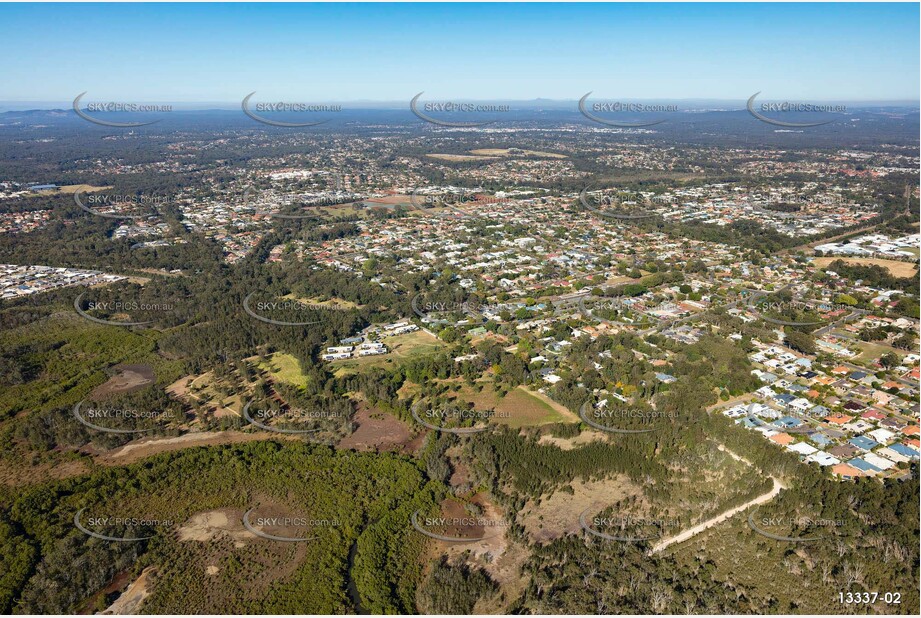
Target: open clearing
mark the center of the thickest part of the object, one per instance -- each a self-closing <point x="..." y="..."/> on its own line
<point x="378" y="431"/>
<point x="210" y="525"/>
<point x="283" y="367"/>
<point x="459" y="158"/>
<point x="567" y="444"/>
<point x="494" y="552"/>
<point x="507" y="152"/>
<point x="74" y="189"/>
<point x="133" y="451"/>
<point x="558" y="514"/>
<point x="520" y="407"/>
<point x="896" y="268"/>
<point x="202" y="390"/>
<point x="872" y="350"/>
<point x="130" y="378"/>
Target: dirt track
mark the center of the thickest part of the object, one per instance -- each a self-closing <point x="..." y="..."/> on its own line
<point x="134" y="451"/>
<point x="713" y="521"/>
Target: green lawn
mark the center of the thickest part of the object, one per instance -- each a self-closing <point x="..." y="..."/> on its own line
<point x="283" y="367"/>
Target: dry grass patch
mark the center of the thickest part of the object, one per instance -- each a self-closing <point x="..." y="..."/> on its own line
<point x="896" y="268"/>
<point x="556" y="515"/>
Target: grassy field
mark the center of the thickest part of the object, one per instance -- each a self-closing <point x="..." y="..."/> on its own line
<point x="504" y="152"/>
<point x="283" y="367"/>
<point x="871" y="351"/>
<point x="518" y="408"/>
<point x="895" y="267"/>
<point x="333" y="303"/>
<point x="74" y="189"/>
<point x="457" y="158"/>
<point x="221" y="396"/>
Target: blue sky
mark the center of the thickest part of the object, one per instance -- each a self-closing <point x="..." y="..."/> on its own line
<point x="346" y="52"/>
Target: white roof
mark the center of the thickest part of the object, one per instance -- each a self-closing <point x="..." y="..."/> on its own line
<point x="888" y="453"/>
<point x="823" y="459"/>
<point x="875" y="460"/>
<point x="802" y="448"/>
<point x="881" y="435"/>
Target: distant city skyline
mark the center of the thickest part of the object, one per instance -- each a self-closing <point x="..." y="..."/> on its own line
<point x="216" y="54"/>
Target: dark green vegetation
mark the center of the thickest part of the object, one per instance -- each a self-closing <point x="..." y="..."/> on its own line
<point x="453" y="589"/>
<point x="369" y="498"/>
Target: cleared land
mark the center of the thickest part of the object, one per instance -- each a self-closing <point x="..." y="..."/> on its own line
<point x="130" y="378"/>
<point x="283" y="367"/>
<point x="458" y="158"/>
<point x="895" y="267"/>
<point x="378" y="431"/>
<point x="567" y="444"/>
<point x="129" y="602"/>
<point x="133" y="451"/>
<point x="506" y="152"/>
<point x="519" y="407"/>
<point x="203" y="390"/>
<point x="74" y="189"/>
<point x="556" y="515"/>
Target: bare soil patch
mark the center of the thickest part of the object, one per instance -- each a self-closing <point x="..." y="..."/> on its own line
<point x="493" y="552"/>
<point x="211" y="525"/>
<point x="129" y="602"/>
<point x="130" y="378"/>
<point x="134" y="451"/>
<point x="378" y="431"/>
<point x="567" y="444"/>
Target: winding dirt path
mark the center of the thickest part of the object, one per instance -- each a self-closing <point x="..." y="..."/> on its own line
<point x="713" y="521"/>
